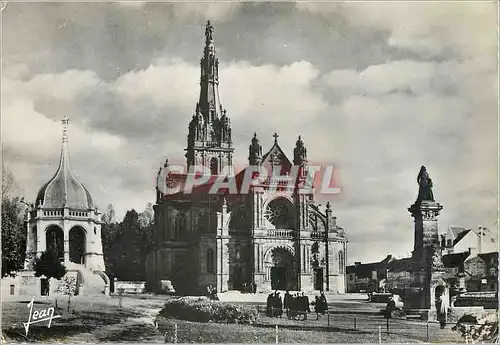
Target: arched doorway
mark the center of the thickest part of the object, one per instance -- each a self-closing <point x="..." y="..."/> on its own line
<point x="55" y="241"/>
<point x="77" y="245"/>
<point x="280" y="269"/>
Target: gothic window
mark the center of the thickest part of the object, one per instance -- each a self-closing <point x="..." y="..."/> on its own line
<point x="210" y="261"/>
<point x="214" y="166"/>
<point x="277" y="213"/>
<point x="341" y="262"/>
<point x="238" y="252"/>
<point x="179" y="226"/>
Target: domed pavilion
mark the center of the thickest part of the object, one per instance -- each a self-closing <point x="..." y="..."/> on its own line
<point x="65" y="220"/>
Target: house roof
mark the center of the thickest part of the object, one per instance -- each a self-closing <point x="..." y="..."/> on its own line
<point x="368" y="268"/>
<point x="455" y="259"/>
<point x="400" y="265"/>
<point x="460" y="235"/>
<point x="179" y="180"/>
<point x="456" y="230"/>
<point x="487" y="257"/>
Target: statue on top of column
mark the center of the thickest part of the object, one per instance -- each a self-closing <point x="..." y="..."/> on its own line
<point x="425" y="186"/>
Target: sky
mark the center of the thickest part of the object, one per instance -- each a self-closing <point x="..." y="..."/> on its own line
<point x="375" y="89"/>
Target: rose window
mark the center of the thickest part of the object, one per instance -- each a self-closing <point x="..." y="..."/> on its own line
<point x="278" y="214"/>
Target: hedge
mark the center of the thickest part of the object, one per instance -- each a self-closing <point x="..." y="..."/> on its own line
<point x="202" y="309"/>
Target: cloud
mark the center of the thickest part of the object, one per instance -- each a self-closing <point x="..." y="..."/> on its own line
<point x="131" y="4"/>
<point x="208" y="10"/>
<point x="376" y="90"/>
<point x="430" y="29"/>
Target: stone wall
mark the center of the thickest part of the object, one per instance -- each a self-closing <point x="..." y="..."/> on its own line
<point x="130" y="287"/>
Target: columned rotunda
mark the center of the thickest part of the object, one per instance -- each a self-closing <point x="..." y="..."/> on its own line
<point x="65" y="220"/>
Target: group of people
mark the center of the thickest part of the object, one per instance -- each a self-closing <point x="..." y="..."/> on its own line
<point x="296" y="305"/>
<point x="212" y="292"/>
<point x="249" y="287"/>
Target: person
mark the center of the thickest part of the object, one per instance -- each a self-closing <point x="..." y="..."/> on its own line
<point x="442" y="309"/>
<point x="304" y="305"/>
<point x="321" y="304"/>
<point x="278" y="304"/>
<point x="390" y="307"/>
<point x="286" y="303"/>
<point x="317" y="306"/>
<point x="269" y="305"/>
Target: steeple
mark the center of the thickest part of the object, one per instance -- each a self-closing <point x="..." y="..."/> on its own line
<point x="64" y="189"/>
<point x="209" y="102"/>
<point x="209" y="139"/>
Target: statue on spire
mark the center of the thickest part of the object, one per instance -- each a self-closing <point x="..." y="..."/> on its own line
<point x="209" y="31"/>
<point x="425" y="186"/>
<point x="299" y="152"/>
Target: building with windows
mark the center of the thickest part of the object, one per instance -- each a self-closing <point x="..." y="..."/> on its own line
<point x="273" y="236"/>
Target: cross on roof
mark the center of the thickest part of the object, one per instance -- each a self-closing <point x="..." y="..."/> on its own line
<point x="276" y="137"/>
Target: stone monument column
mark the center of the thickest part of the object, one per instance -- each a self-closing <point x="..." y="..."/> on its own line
<point x="427" y="261"/>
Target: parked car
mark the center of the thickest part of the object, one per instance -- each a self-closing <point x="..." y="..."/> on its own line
<point x="167" y="287"/>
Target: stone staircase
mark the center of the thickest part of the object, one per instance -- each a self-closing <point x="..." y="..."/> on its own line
<point x="90" y="282"/>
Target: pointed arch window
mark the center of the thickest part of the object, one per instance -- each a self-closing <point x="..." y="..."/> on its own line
<point x="341" y="262"/>
<point x="210" y="261"/>
<point x="179" y="226"/>
<point x="214" y="166"/>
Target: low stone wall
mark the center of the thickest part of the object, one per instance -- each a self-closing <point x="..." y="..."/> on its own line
<point x="479" y="312"/>
<point x="487" y="300"/>
<point x="130" y="287"/>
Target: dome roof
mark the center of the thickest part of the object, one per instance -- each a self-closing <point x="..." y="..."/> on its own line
<point x="64" y="189"/>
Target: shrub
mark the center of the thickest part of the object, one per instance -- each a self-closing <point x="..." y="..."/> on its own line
<point x="202" y="309"/>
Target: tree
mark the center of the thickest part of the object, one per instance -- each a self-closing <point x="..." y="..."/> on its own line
<point x="108" y="217"/>
<point x="49" y="265"/>
<point x="67" y="287"/>
<point x="7" y="181"/>
<point x="126" y="245"/>
<point x="13" y="235"/>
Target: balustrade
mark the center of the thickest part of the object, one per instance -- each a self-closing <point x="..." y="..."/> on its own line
<point x="52" y="213"/>
<point x="59" y="213"/>
<point x="280" y="233"/>
<point x="318" y="234"/>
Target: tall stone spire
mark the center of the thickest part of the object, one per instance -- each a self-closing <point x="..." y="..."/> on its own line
<point x="209" y="102"/>
<point x="209" y="139"/>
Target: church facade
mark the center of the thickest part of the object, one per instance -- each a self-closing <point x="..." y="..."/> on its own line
<point x="274" y="236"/>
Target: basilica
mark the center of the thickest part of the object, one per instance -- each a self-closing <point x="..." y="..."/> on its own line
<point x="272" y="237"/>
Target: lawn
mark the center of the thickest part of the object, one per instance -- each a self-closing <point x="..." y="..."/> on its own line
<point x="340" y="329"/>
<point x="102" y="320"/>
<point x="194" y="332"/>
<point x="84" y="317"/>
